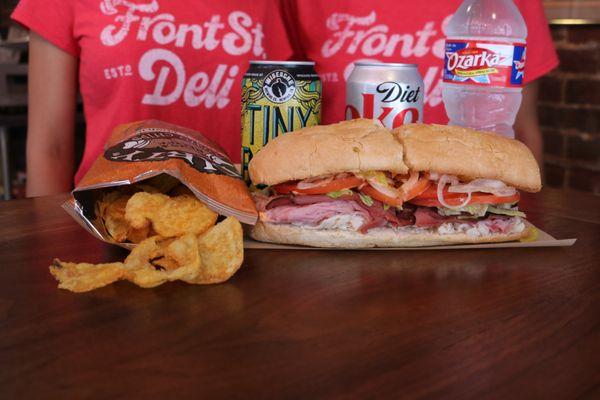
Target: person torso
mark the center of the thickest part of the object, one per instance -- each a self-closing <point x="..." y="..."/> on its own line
<point x="338" y="33"/>
<point x="179" y="61"/>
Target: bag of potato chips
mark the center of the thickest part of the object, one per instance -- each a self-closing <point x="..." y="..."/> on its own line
<point x="163" y="161"/>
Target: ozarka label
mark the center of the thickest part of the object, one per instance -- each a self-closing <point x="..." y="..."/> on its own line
<point x="484" y="63"/>
<point x="277" y="97"/>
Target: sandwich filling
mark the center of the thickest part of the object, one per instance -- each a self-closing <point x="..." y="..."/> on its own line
<point x="418" y="201"/>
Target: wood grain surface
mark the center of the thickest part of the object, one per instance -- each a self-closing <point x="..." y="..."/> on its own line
<point x="505" y="324"/>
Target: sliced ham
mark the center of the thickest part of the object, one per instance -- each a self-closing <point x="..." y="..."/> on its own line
<point x="428" y="218"/>
<point x="279" y="201"/>
<point x="261" y="201"/>
<point x="313" y="214"/>
<point x="266" y="203"/>
<point x="407" y="214"/>
<point x="313" y="209"/>
<point x="319" y="198"/>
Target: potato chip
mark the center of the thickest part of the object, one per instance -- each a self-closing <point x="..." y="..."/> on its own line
<point x="139" y="235"/>
<point x="156" y="260"/>
<point x="142" y="207"/>
<point x="221" y="252"/>
<point x="176" y="238"/>
<point x="84" y="277"/>
<point x="139" y="263"/>
<point x="103" y="203"/>
<point x="114" y="218"/>
<point x="181" y="215"/>
<point x="115" y="227"/>
<point x="111" y="209"/>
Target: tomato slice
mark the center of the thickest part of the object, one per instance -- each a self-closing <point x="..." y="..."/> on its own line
<point x="377" y="195"/>
<point x="285" y="187"/>
<point x="420" y="187"/>
<point x="431" y="193"/>
<point x="456" y="199"/>
<point x="335" y="185"/>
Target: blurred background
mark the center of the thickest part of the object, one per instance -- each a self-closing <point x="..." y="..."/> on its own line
<point x="569" y="106"/>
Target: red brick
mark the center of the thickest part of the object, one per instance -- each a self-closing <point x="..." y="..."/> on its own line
<point x="551" y="89"/>
<point x="584" y="34"/>
<point x="583" y="120"/>
<point x="549" y="116"/>
<point x="553" y="117"/>
<point x="578" y="60"/>
<point x="583" y="91"/>
<point x="585" y="179"/>
<point x="584" y="147"/>
<point x="590" y="121"/>
<point x="553" y="142"/>
<point x="554" y="175"/>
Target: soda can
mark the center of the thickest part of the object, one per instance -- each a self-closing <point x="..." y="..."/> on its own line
<point x="277" y="97"/>
<point x="391" y="93"/>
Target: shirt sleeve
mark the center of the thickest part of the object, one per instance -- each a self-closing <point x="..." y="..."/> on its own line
<point x="51" y="19"/>
<point x="541" y="54"/>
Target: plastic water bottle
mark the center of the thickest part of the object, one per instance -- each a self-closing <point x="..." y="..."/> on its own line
<point x="484" y="65"/>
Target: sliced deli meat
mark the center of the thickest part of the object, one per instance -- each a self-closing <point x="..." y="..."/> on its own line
<point x="313" y="214"/>
<point x="428" y="218"/>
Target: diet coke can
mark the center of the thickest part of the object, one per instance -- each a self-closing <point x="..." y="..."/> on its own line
<point x="392" y="93"/>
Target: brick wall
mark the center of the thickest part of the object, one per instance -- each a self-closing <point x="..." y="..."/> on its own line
<point x="569" y="110"/>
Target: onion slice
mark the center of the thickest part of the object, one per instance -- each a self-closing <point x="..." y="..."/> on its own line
<point x="410" y="183"/>
<point x="452" y="180"/>
<point x="388" y="191"/>
<point x="314" y="182"/>
<point x="495" y="187"/>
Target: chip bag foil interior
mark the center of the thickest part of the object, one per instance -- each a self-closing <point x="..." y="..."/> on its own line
<point x="158" y="153"/>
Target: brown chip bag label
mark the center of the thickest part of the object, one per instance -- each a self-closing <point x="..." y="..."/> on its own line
<point x="146" y="151"/>
<point x="158" y="144"/>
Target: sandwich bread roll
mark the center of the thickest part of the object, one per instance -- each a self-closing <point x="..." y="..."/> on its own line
<point x="351" y="146"/>
<point x="469" y="154"/>
<point x="297" y="235"/>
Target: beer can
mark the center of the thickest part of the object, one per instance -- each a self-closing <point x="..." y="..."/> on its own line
<point x="392" y="93"/>
<point x="277" y="97"/>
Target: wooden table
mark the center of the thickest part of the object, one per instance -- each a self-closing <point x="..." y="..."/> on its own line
<point x="508" y="323"/>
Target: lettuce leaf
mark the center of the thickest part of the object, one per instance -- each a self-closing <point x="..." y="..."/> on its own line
<point x="367" y="200"/>
<point x="506" y="211"/>
<point x="378" y="176"/>
<point x="479" y="210"/>
<point x="340" y="193"/>
<point x="475" y="210"/>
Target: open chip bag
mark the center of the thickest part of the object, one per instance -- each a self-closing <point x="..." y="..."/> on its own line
<point x="160" y="190"/>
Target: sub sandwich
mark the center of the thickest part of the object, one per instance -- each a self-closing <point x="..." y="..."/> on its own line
<point x="356" y="184"/>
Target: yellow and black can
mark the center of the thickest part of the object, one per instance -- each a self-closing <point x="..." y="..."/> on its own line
<point x="277" y="97"/>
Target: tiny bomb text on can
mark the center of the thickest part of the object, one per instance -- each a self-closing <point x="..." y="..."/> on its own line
<point x="277" y="97"/>
<point x="391" y="93"/>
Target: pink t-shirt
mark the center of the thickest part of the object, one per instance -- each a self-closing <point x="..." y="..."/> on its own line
<point x="178" y="61"/>
<point x="336" y="33"/>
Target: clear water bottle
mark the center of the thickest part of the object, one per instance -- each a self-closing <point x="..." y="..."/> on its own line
<point x="484" y="65"/>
